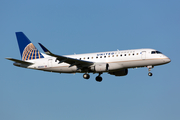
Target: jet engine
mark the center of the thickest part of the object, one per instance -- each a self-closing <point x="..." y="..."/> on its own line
<point x="121" y="72"/>
<point x="100" y="67"/>
<point x="104" y="67"/>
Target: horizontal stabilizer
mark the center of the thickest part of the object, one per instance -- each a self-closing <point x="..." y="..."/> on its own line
<point x="20" y="61"/>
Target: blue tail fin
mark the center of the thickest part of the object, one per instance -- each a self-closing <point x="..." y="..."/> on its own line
<point x="27" y="49"/>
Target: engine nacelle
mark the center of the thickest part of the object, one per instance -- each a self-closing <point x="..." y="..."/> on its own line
<point x="100" y="67"/>
<point x="114" y="66"/>
<point x="122" y="72"/>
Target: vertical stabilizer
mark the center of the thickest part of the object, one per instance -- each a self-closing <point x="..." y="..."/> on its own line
<point x="27" y="50"/>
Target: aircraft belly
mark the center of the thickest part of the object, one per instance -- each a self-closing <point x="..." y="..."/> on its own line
<point x="62" y="69"/>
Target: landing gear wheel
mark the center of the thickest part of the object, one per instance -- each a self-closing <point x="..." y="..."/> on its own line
<point x="150" y="74"/>
<point x="86" y="76"/>
<point x="98" y="78"/>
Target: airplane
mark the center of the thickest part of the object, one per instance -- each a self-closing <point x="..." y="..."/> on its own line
<point x="112" y="62"/>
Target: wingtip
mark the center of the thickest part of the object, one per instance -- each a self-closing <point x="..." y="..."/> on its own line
<point x="40" y="44"/>
<point x="7" y="58"/>
<point x="44" y="49"/>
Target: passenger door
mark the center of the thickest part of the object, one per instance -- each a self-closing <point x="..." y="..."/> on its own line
<point x="50" y="63"/>
<point x="143" y="55"/>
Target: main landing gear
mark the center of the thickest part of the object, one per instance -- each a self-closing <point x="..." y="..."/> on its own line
<point x="149" y="69"/>
<point x="86" y="76"/>
<point x="98" y="78"/>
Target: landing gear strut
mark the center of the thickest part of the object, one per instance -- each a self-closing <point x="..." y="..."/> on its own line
<point x="99" y="78"/>
<point x="86" y="76"/>
<point x="149" y="69"/>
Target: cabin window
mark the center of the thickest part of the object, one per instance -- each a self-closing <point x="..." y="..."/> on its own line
<point x="137" y="53"/>
<point x="87" y="57"/>
<point x="92" y="58"/>
<point x="100" y="56"/>
<point x="96" y="57"/>
<point x="104" y="56"/>
<point x="124" y="54"/>
<point x="112" y="55"/>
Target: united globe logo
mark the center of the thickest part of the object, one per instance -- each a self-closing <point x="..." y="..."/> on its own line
<point x="31" y="52"/>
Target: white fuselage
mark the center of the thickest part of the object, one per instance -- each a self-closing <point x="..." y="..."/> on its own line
<point x="115" y="59"/>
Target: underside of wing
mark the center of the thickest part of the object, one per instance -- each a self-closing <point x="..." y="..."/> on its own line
<point x="71" y="61"/>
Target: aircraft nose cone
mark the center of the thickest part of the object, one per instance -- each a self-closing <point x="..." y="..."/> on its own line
<point x="167" y="60"/>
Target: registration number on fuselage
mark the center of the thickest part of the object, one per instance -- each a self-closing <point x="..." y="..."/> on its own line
<point x="42" y="66"/>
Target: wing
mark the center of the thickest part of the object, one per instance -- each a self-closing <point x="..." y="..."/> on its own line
<point x="71" y="61"/>
<point x="20" y="61"/>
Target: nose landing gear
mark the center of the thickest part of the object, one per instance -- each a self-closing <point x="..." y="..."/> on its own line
<point x="150" y="74"/>
<point x="149" y="69"/>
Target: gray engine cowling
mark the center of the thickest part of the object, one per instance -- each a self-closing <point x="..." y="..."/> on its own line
<point x="104" y="67"/>
<point x="122" y="72"/>
<point x="100" y="67"/>
<point x="114" y="66"/>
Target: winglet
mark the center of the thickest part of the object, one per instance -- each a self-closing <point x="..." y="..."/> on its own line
<point x="45" y="49"/>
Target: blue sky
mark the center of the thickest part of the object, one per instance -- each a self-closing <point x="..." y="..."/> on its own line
<point x="68" y="27"/>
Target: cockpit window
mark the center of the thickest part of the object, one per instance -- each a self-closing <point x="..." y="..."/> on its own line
<point x="158" y="52"/>
<point x="155" y="52"/>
